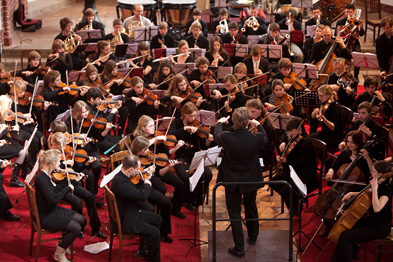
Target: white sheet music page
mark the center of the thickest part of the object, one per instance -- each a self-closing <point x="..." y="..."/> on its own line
<point x="298" y="182"/>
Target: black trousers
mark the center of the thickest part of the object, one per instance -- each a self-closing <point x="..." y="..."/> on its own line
<point x="284" y="191"/>
<point x="151" y="233"/>
<point x="173" y="180"/>
<point x="24" y="135"/>
<point x="233" y="202"/>
<point x="5" y="203"/>
<point x="108" y="142"/>
<point x="164" y="206"/>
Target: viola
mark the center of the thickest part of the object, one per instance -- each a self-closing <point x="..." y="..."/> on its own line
<point x="160" y="159"/>
<point x="99" y="122"/>
<point x="170" y="140"/>
<point x="289" y="149"/>
<point x="203" y="131"/>
<point x="193" y="96"/>
<point x="104" y="89"/>
<point x="208" y="76"/>
<point x="298" y="84"/>
<point x="37" y="100"/>
<point x="107" y="103"/>
<point x="78" y="138"/>
<point x="41" y="70"/>
<point x="11" y="117"/>
<point x="284" y="103"/>
<point x="141" y="176"/>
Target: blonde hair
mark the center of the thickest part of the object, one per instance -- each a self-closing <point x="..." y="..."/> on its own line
<point x="5" y="104"/>
<point x="326" y="90"/>
<point x="48" y="157"/>
<point x="77" y="110"/>
<point x="19" y="85"/>
<point x="57" y="139"/>
<point x="142" y="122"/>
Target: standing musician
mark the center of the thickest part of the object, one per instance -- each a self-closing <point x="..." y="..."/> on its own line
<point x="329" y="114"/>
<point x="217" y="55"/>
<point x="121" y="38"/>
<point x="59" y="60"/>
<point x="234" y="37"/>
<point x="186" y="129"/>
<point x="308" y="44"/>
<point x="144" y="62"/>
<point x="30" y="73"/>
<point x="78" y="59"/>
<point x="223" y="15"/>
<point x="320" y="49"/>
<point x="240" y="163"/>
<point x="377" y="225"/>
<point x="129" y="197"/>
<point x="384" y="46"/>
<point x="166" y="71"/>
<point x="196" y="16"/>
<point x="317" y="18"/>
<point x="298" y="153"/>
<point x="103" y="55"/>
<point x="137" y="17"/>
<point x="374" y="96"/>
<point x="343" y="83"/>
<point x="184" y="57"/>
<point x="90" y="23"/>
<point x="53" y="217"/>
<point x="9" y="148"/>
<point x="196" y="39"/>
<point x="163" y="39"/>
<point x="254" y="24"/>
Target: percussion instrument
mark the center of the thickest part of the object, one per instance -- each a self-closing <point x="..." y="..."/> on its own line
<point x="126" y="7"/>
<point x="178" y="12"/>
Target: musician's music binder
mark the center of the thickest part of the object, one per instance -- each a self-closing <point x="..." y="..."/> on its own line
<point x="187" y="67"/>
<point x="307" y="99"/>
<point x="159" y="52"/>
<point x="310" y="29"/>
<point x="298" y="182"/>
<point x="271" y="51"/>
<point x="75" y="76"/>
<point x="89" y="34"/>
<point x="302" y="3"/>
<point x="253" y="40"/>
<point x="222" y="71"/>
<point x="145" y="33"/>
<point x="308" y="71"/>
<point x="197" y="52"/>
<point x="239" y="50"/>
<point x="210" y="87"/>
<point x="206" y="117"/>
<point x="365" y="60"/>
<point x="280" y="121"/>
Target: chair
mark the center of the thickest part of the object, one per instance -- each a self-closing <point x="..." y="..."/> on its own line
<point x="388" y="241"/>
<point x="117" y="158"/>
<point x="36" y="225"/>
<point x="114" y="215"/>
<point x="372" y="7"/>
<point x="346" y="117"/>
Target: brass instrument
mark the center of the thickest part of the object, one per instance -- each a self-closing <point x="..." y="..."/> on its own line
<point x="318" y="20"/>
<point x="253" y="23"/>
<point x="89" y="26"/>
<point x="224" y="26"/>
<point x="115" y="41"/>
<point x="290" y="29"/>
<point x="70" y="43"/>
<point x="131" y="26"/>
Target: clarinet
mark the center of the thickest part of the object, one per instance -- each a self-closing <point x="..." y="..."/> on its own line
<point x="162" y="40"/>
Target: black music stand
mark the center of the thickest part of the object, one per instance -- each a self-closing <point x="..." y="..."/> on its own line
<point x="80" y="48"/>
<point x="145" y="33"/>
<point x="307" y="99"/>
<point x="280" y="121"/>
<point x="238" y="50"/>
<point x="271" y="51"/>
<point x="187" y="67"/>
<point x="93" y="34"/>
<point x="75" y="76"/>
<point x="121" y="50"/>
<point x="197" y="52"/>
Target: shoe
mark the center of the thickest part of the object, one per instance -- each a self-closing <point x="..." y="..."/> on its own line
<point x="167" y="238"/>
<point x="191" y="206"/>
<point x="239" y="254"/>
<point x="68" y="250"/>
<point x="100" y="235"/>
<point x="14" y="181"/>
<point x="81" y="235"/>
<point x="60" y="255"/>
<point x="99" y="204"/>
<point x="251" y="242"/>
<point x="10" y="217"/>
<point x="141" y="254"/>
<point x="179" y="214"/>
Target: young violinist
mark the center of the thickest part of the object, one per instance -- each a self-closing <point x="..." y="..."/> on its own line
<point x="279" y="101"/>
<point x="299" y="153"/>
<point x="308" y="44"/>
<point x="144" y="62"/>
<point x="129" y="197"/>
<point x="31" y="72"/>
<point x="186" y="129"/>
<point x="371" y="129"/>
<point x="59" y="60"/>
<point x="329" y="115"/>
<point x="375" y="225"/>
<point x="375" y="97"/>
<point x="240" y="71"/>
<point x="103" y="54"/>
<point x="257" y="65"/>
<point x="184" y="56"/>
<point x="90" y="79"/>
<point x="58" y="141"/>
<point x="163" y="39"/>
<point x="217" y="55"/>
<point x="52" y="92"/>
<point x="240" y="163"/>
<point x="138" y="104"/>
<point x="166" y="71"/>
<point x="89" y="23"/>
<point x="196" y="39"/>
<point x="285" y="70"/>
<point x="223" y="14"/>
<point x="117" y="28"/>
<point x="140" y="148"/>
<point x="53" y="217"/>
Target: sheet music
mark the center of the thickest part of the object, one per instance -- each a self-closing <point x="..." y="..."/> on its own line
<point x="210" y="157"/>
<point x="298" y="182"/>
<point x="108" y="178"/>
<point x="197" y="175"/>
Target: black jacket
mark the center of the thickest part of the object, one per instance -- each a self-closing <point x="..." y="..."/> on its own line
<point x="263" y="65"/>
<point x="384" y="47"/>
<point x="320" y="49"/>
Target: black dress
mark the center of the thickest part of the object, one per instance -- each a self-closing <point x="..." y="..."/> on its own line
<point x="53" y="217"/>
<point x="11" y="149"/>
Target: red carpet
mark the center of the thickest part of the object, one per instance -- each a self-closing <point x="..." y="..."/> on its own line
<point x="16" y="248"/>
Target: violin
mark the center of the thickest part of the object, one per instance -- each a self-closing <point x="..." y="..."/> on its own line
<point x="74" y="89"/>
<point x="37" y="100"/>
<point x="61" y="174"/>
<point x="324" y="107"/>
<point x="7" y="77"/>
<point x="230" y="98"/>
<point x="161" y="159"/>
<point x="104" y="88"/>
<point x="170" y="140"/>
<point x="298" y="84"/>
<point x="284" y="103"/>
<point x="203" y="131"/>
<point x="193" y="96"/>
<point x="289" y="149"/>
<point x="107" y="103"/>
<point x="149" y="97"/>
<point x="141" y="176"/>
<point x="99" y="122"/>
<point x="11" y="117"/>
<point x="208" y="76"/>
<point x="243" y="84"/>
<point x="79" y="155"/>
<point x="78" y="138"/>
<point x="41" y="70"/>
<point x="253" y="129"/>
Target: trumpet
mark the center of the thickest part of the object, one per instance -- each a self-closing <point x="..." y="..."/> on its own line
<point x="253" y="23"/>
<point x="224" y="26"/>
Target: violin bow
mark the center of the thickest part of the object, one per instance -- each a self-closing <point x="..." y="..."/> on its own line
<point x="167" y="80"/>
<point x="32" y="98"/>
<point x="15" y="102"/>
<point x="155" y="146"/>
<point x="65" y="163"/>
<point x="92" y="122"/>
<point x="97" y="60"/>
<point x="72" y="133"/>
<point x="170" y="122"/>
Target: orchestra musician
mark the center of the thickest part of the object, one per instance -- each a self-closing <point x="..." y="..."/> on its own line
<point x="163" y="39"/>
<point x="165" y="72"/>
<point x="257" y="65"/>
<point x="273" y="37"/>
<point x="117" y="32"/>
<point x="196" y="16"/>
<point x="284" y="70"/>
<point x="5" y="203"/>
<point x="217" y="55"/>
<point x="233" y="35"/>
<point x="184" y="56"/>
<point x="196" y="39"/>
<point x="29" y="73"/>
<point x="200" y="74"/>
<point x="90" y="23"/>
<point x="317" y="18"/>
<point x="240" y="163"/>
<point x="137" y="17"/>
<point x="384" y="46"/>
<point x="223" y="14"/>
<point x="279" y="101"/>
<point x="102" y="55"/>
<point x="129" y="197"/>
<point x="308" y="44"/>
<point x="240" y="71"/>
<point x="5" y="81"/>
<point x="59" y="60"/>
<point x="145" y="62"/>
<point x="254" y="24"/>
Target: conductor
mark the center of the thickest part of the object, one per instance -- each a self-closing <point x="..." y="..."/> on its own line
<point x="240" y="163"/>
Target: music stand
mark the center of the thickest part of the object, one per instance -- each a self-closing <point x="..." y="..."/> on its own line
<point x="93" y="34"/>
<point x="121" y="50"/>
<point x="197" y="52"/>
<point x="159" y="53"/>
<point x="302" y="3"/>
<point x="365" y="60"/>
<point x="206" y="117"/>
<point x="90" y="48"/>
<point x="222" y="71"/>
<point x="75" y="76"/>
<point x="239" y="50"/>
<point x="163" y="123"/>
<point x="80" y="48"/>
<point x="280" y="121"/>
<point x="145" y="33"/>
<point x="307" y="99"/>
<point x="308" y="71"/>
<point x="132" y="48"/>
<point x="219" y="3"/>
<point x="210" y="87"/>
<point x="187" y="67"/>
<point x="253" y="40"/>
<point x="271" y="51"/>
<point x="210" y="36"/>
<point x="296" y="36"/>
<point x="310" y="30"/>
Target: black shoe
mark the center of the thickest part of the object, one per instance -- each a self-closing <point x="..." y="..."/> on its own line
<point x="178" y="214"/>
<point x="251" y="242"/>
<point x="81" y="235"/>
<point x="141" y="254"/>
<point x="239" y="254"/>
<point x="16" y="183"/>
<point x="167" y="239"/>
<point x="99" y="204"/>
<point x="10" y="217"/>
<point x="100" y="235"/>
<point x="191" y="206"/>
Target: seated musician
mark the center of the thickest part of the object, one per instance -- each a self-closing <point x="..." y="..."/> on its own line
<point x="90" y="23"/>
<point x="279" y="101"/>
<point x="138" y="105"/>
<point x="377" y="224"/>
<point x="308" y="44"/>
<point x="53" y="217"/>
<point x="186" y="129"/>
<point x="217" y="55"/>
<point x="240" y="71"/>
<point x="273" y="37"/>
<point x="285" y="69"/>
<point x="59" y="60"/>
<point x="78" y="60"/>
<point x="384" y="46"/>
<point x="257" y="65"/>
<point x="292" y="24"/>
<point x="163" y="39"/>
<point x="196" y="16"/>
<point x="30" y="73"/>
<point x="184" y="57"/>
<point x="144" y="62"/>
<point x="234" y="36"/>
<point x="343" y="83"/>
<point x="259" y="113"/>
<point x="129" y="197"/>
<point x="201" y="75"/>
<point x="254" y="24"/>
<point x="137" y="17"/>
<point x="320" y="49"/>
<point x="140" y="148"/>
<point x="299" y="153"/>
<point x="196" y="39"/>
<point x="90" y="79"/>
<point x="372" y="131"/>
<point x="117" y="28"/>
<point x="5" y="203"/>
<point x="58" y="141"/>
<point x="102" y="55"/>
<point x="165" y="72"/>
<point x="329" y="115"/>
<point x="5" y="81"/>
<point x="374" y="96"/>
<point x="223" y="14"/>
<point x="317" y="18"/>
